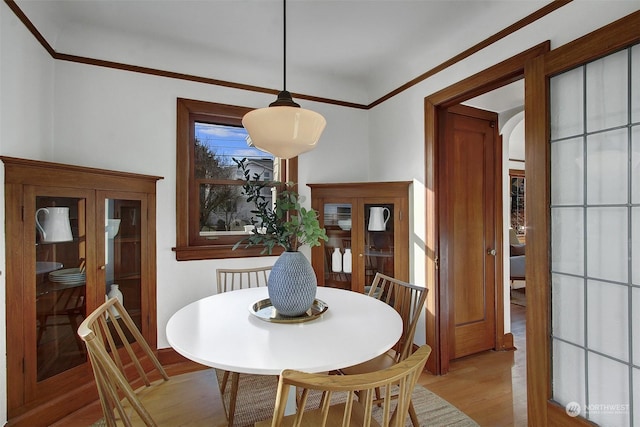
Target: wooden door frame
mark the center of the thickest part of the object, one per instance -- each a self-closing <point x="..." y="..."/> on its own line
<point x="608" y="39"/>
<point x="437" y="323"/>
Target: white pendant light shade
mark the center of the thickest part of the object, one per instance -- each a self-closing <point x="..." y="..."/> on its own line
<point x="284" y="131"/>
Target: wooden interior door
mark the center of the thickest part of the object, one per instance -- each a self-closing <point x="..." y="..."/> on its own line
<point x="468" y="229"/>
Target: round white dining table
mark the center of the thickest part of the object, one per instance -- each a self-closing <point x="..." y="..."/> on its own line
<point x="220" y="331"/>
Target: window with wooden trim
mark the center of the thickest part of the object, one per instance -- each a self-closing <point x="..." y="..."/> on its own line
<point x="211" y="213"/>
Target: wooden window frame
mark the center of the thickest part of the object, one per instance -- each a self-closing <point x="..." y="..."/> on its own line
<point x="189" y="245"/>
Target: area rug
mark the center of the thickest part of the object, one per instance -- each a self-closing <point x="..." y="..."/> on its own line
<point x="256" y="397"/>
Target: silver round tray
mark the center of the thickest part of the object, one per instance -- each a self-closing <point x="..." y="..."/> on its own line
<point x="264" y="310"/>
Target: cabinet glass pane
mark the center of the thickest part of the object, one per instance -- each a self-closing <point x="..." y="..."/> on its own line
<point x="123" y="254"/>
<point x="379" y="238"/>
<point x="60" y="283"/>
<point x="338" y="257"/>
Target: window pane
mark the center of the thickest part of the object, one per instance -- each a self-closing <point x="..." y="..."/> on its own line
<point x="223" y="209"/>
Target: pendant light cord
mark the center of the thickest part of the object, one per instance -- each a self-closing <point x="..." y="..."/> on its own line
<point x="284" y="98"/>
<point x="284" y="46"/>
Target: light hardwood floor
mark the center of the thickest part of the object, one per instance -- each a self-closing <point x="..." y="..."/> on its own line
<point x="490" y="387"/>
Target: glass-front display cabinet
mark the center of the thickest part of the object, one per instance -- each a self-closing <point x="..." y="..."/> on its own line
<point x="75" y="236"/>
<point x="368" y="229"/>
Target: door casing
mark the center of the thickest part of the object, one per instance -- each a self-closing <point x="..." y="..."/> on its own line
<point x="437" y="318"/>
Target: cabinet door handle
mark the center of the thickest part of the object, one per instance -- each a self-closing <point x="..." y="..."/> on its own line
<point x="491" y="252"/>
<point x="103" y="267"/>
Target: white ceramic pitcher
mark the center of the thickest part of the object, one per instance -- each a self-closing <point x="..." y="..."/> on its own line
<point x="56" y="226"/>
<point x="378" y="217"/>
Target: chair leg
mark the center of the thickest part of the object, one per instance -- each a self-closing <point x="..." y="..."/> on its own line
<point x="412" y="414"/>
<point x="223" y="384"/>
<point x="235" y="378"/>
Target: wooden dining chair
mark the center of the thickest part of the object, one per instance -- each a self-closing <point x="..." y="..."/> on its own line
<point x="133" y="387"/>
<point x="231" y="279"/>
<point x="408" y="300"/>
<point x="355" y="394"/>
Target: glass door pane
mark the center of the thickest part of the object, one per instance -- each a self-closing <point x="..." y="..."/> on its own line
<point x="338" y="257"/>
<point x="379" y="241"/>
<point x="60" y="283"/>
<point x="123" y="254"/>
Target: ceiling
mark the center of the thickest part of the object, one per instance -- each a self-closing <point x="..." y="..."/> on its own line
<point x="361" y="43"/>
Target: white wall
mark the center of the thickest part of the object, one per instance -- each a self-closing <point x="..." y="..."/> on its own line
<point x="79" y="114"/>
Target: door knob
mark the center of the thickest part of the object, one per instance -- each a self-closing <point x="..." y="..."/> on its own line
<point x="491" y="252"/>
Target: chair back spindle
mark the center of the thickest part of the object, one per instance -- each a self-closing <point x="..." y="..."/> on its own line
<point x="408" y="300"/>
<point x="359" y="405"/>
<point x="231" y="279"/>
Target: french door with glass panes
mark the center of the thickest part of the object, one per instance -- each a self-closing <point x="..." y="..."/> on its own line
<point x="583" y="221"/>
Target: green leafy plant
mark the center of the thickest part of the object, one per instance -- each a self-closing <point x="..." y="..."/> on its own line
<point x="286" y="223"/>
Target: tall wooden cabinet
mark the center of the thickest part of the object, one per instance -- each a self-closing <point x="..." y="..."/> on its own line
<point x="369" y="222"/>
<point x="72" y="233"/>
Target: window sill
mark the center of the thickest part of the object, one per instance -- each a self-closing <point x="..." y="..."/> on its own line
<point x="192" y="253"/>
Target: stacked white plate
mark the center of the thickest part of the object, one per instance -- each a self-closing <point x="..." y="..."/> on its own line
<point x="68" y="276"/>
